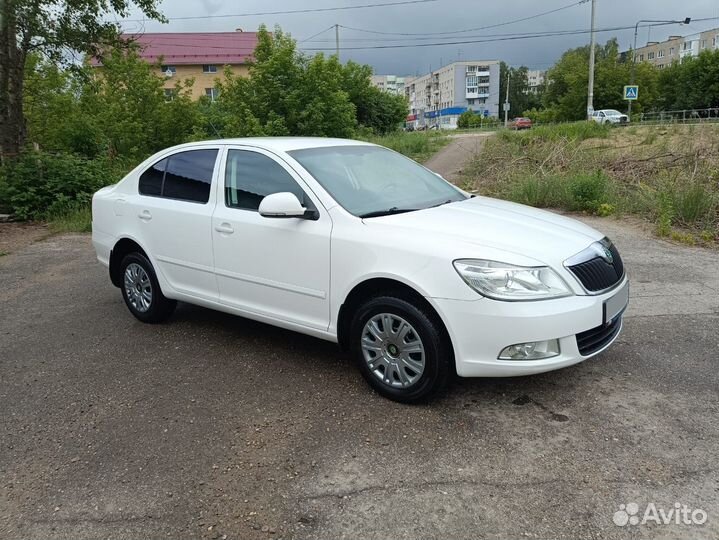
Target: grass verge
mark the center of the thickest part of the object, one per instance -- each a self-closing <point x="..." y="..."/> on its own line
<point x="77" y="219"/>
<point x="418" y="145"/>
<point x="668" y="175"/>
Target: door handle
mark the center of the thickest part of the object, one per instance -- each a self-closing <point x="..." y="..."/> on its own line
<point x="145" y="215"/>
<point x="224" y="228"/>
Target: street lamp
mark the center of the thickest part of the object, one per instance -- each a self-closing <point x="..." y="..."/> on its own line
<point x="634" y="48"/>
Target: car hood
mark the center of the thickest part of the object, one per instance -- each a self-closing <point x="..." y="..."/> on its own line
<point x="484" y="226"/>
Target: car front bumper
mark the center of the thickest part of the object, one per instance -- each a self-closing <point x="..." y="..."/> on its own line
<point x="481" y="328"/>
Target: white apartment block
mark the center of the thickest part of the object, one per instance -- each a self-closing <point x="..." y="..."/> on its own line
<point x="390" y="83"/>
<point x="438" y="98"/>
<point x="535" y="79"/>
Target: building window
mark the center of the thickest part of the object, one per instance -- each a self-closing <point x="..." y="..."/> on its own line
<point x="212" y="93"/>
<point x="169" y="94"/>
<point x="704" y="43"/>
<point x="209" y="68"/>
<point x="168" y="71"/>
<point x="641" y="57"/>
<point x="661" y="54"/>
<point x="650" y="56"/>
<point x="660" y="66"/>
<point x="671" y="51"/>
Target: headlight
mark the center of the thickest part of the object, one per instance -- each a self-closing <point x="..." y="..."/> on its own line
<point x="503" y="281"/>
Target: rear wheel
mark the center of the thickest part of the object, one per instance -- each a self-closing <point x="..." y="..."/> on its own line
<point x="141" y="290"/>
<point x="401" y="349"/>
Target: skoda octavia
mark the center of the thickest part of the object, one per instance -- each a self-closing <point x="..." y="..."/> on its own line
<point x="356" y="244"/>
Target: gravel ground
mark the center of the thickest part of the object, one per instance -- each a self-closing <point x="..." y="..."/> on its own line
<point x="213" y="426"/>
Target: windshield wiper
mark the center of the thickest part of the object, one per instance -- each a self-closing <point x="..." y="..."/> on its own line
<point x="388" y="212"/>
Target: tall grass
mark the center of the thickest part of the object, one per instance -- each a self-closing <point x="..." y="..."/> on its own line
<point x="667" y="175"/>
<point x="418" y="145"/>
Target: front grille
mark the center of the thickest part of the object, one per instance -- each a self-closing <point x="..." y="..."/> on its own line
<point x="597" y="274"/>
<point x="595" y="339"/>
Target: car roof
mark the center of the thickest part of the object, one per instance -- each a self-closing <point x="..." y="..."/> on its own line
<point x="282" y="144"/>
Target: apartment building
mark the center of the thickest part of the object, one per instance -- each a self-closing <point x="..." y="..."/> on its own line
<point x="202" y="56"/>
<point x="535" y="79"/>
<point x="390" y="83"/>
<point x="440" y="97"/>
<point x="676" y="48"/>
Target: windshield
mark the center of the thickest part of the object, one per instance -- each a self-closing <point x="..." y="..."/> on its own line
<point x="371" y="181"/>
<point x="612" y="112"/>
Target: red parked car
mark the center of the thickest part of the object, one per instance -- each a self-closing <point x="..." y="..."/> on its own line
<point x="520" y="123"/>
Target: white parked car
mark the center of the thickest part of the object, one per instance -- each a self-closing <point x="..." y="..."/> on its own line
<point x="354" y="243"/>
<point x="609" y="116"/>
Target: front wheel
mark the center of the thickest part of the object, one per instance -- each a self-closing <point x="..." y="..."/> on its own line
<point x="141" y="290"/>
<point x="401" y="349"/>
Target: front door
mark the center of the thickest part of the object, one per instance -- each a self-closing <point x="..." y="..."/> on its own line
<point x="274" y="267"/>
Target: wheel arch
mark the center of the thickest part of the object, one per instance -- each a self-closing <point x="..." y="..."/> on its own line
<point x="377" y="286"/>
<point x="122" y="247"/>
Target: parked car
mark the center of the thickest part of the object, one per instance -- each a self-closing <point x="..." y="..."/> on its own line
<point x="609" y="116"/>
<point x="353" y="243"/>
<point x="520" y="123"/>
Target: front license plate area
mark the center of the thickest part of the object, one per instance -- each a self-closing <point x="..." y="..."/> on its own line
<point x="614" y="306"/>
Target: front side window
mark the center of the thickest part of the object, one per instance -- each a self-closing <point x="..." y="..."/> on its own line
<point x="250" y="177"/>
<point x="185" y="176"/>
<point x="369" y="180"/>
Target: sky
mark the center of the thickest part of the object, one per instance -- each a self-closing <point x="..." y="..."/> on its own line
<point x="445" y="19"/>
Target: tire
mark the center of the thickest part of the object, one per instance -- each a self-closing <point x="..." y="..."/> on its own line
<point x="391" y="364"/>
<point x="141" y="290"/>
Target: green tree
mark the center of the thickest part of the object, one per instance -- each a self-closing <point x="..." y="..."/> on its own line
<point x="50" y="28"/>
<point x="289" y="93"/>
<point x="520" y="98"/>
<point x="566" y="93"/>
<point x="691" y="84"/>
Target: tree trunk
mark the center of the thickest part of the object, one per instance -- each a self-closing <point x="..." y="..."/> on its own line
<point x="12" y="67"/>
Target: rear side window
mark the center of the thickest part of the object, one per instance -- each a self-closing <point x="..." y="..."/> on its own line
<point x="250" y="177"/>
<point x="185" y="176"/>
<point x="151" y="179"/>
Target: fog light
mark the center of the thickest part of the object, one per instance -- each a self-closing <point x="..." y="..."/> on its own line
<point x="534" y="350"/>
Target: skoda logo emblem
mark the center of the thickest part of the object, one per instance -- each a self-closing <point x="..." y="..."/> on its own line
<point x="607" y="255"/>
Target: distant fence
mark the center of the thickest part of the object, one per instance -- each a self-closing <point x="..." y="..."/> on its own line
<point x="685" y="116"/>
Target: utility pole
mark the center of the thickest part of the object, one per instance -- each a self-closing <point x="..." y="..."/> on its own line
<point x="506" y="100"/>
<point x="337" y="41"/>
<point x="592" y="41"/>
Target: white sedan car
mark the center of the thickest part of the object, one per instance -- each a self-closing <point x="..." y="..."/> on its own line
<point x="356" y="244"/>
<point x="609" y="116"/>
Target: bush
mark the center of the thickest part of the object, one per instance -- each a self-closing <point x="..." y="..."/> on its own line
<point x="37" y="185"/>
<point x="588" y="191"/>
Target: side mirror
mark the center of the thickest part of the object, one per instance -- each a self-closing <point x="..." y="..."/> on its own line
<point x="282" y="205"/>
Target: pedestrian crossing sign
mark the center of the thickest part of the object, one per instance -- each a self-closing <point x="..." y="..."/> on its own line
<point x="631" y="92"/>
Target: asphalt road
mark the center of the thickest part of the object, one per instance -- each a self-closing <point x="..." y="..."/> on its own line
<point x="212" y="426"/>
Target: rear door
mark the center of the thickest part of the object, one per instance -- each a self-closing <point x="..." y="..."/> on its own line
<point x="174" y="213"/>
<point x="274" y="267"/>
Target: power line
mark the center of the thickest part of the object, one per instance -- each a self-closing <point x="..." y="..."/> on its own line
<point x="291" y="12"/>
<point x="317" y="34"/>
<point x="510" y="37"/>
<point x="497" y="25"/>
<point x="484" y="39"/>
